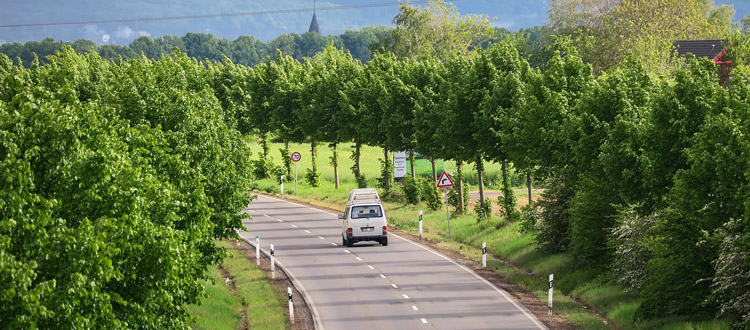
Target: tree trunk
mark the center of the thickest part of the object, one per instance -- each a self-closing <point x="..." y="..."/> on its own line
<point x="387" y="176"/>
<point x="480" y="176"/>
<point x="264" y="144"/>
<point x="412" y="160"/>
<point x="434" y="169"/>
<point x="461" y="200"/>
<point x="528" y="183"/>
<point x="358" y="153"/>
<point x="288" y="161"/>
<point x="335" y="161"/>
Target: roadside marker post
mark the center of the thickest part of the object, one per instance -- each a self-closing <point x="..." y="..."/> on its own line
<point x="273" y="264"/>
<point x="484" y="254"/>
<point x="420" y="224"/>
<point x="296" y="156"/>
<point x="445" y="182"/>
<point x="549" y="299"/>
<point x="291" y="305"/>
<point x="257" y="250"/>
<point x="282" y="186"/>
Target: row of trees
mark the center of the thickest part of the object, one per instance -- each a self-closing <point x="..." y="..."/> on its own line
<point x="244" y="50"/>
<point x="648" y="176"/>
<point x="116" y="179"/>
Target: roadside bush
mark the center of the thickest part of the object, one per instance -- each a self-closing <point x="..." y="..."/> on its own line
<point x="431" y="194"/>
<point x="412" y="189"/>
<point x="631" y="255"/>
<point x="483" y="213"/>
<point x="529" y="217"/>
<point x="554" y="221"/>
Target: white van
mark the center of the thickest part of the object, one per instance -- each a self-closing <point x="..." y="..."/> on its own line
<point x="364" y="218"/>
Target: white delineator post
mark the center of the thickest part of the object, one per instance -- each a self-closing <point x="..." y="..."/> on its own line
<point x="273" y="264"/>
<point x="282" y="186"/>
<point x="549" y="299"/>
<point x="420" y="224"/>
<point x="257" y="250"/>
<point x="484" y="254"/>
<point x="291" y="305"/>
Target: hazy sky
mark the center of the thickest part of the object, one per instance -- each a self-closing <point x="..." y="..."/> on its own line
<point x="512" y="14"/>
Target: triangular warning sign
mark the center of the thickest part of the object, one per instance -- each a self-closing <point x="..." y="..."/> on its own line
<point x="445" y="181"/>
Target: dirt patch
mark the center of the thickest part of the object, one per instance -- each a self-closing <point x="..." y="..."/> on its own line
<point x="303" y="319"/>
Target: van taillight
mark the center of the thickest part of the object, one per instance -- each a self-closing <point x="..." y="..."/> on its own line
<point x="385" y="230"/>
<point x="349" y="231"/>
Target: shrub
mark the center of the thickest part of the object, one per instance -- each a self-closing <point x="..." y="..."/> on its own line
<point x="483" y="213"/>
<point x="412" y="189"/>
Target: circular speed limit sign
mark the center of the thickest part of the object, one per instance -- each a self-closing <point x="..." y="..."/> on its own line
<point x="296" y="156"/>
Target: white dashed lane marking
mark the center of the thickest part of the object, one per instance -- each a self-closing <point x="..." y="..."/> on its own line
<point x="381" y="275"/>
<point x="424" y="320"/>
<point x="334" y="244"/>
<point x="321" y="237"/>
<point x="405" y="296"/>
<point x="307" y="231"/>
<point x="347" y="251"/>
<point x="414" y="308"/>
<point x="295" y="226"/>
<point x="394" y="286"/>
<point x="358" y="258"/>
<point x="371" y="267"/>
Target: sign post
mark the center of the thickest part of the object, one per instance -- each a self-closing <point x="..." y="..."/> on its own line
<point x="296" y="156"/>
<point x="445" y="182"/>
<point x="257" y="250"/>
<point x="282" y="186"/>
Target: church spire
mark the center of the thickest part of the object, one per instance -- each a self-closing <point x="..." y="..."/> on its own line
<point x="314" y="23"/>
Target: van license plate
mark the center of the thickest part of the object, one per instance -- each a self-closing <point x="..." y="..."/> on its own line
<point x="367" y="229"/>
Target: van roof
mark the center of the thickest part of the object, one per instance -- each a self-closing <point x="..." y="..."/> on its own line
<point x="364" y="195"/>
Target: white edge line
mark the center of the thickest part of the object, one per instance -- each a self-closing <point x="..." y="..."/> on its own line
<point x="522" y="308"/>
<point x="513" y="301"/>
<point x="298" y="285"/>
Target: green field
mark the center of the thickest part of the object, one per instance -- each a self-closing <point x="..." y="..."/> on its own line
<point x="507" y="243"/>
<point x="370" y="164"/>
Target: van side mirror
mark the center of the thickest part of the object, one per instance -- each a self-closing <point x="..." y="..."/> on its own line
<point x="341" y="217"/>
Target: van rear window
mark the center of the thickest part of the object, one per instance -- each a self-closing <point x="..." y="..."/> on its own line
<point x="366" y="211"/>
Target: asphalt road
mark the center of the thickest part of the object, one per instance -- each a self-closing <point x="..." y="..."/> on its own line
<point x="400" y="286"/>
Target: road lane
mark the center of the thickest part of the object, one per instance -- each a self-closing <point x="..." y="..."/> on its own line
<point x="401" y="286"/>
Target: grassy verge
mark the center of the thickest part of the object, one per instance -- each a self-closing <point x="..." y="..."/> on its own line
<point x="221" y="309"/>
<point x="255" y="296"/>
<point x="516" y="252"/>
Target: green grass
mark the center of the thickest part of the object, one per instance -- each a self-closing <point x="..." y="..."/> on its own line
<point x="220" y="309"/>
<point x="505" y="241"/>
<point x="370" y="164"/>
<point x="256" y="297"/>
